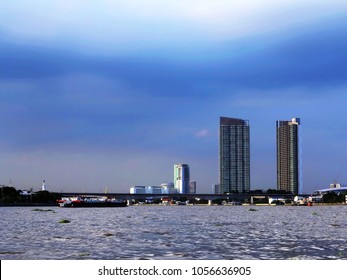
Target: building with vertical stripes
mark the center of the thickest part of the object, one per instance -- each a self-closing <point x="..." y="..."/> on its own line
<point x="234" y="155"/>
<point x="289" y="171"/>
<point x="181" y="178"/>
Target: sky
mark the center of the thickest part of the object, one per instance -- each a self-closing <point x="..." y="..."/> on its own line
<point x="111" y="94"/>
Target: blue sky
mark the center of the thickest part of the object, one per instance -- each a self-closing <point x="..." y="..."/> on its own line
<point x="97" y="94"/>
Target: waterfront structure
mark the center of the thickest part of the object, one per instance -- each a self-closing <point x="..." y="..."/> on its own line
<point x="181" y="177"/>
<point x="331" y="190"/>
<point x="234" y="155"/>
<point x="317" y="196"/>
<point x="289" y="156"/>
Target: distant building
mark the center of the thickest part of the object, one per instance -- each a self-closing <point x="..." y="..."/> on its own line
<point x="336" y="185"/>
<point x="168" y="188"/>
<point x="289" y="156"/>
<point x="138" y="190"/>
<point x="216" y="189"/>
<point x="145" y="190"/>
<point x="182" y="177"/>
<point x="154" y="190"/>
<point x="192" y="187"/>
<point x="234" y="155"/>
<point x="25" y="192"/>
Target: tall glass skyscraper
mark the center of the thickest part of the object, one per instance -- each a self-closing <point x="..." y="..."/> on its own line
<point x="234" y="155"/>
<point x="182" y="178"/>
<point x="289" y="156"/>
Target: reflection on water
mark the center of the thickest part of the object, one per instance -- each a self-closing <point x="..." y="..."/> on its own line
<point x="175" y="232"/>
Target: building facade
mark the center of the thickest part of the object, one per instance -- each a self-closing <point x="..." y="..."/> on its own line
<point x="216" y="189"/>
<point x="192" y="187"/>
<point x="182" y="178"/>
<point x="147" y="190"/>
<point x="168" y="188"/>
<point x="234" y="155"/>
<point x="289" y="156"/>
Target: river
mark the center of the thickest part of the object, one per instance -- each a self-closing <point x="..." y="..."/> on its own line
<point x="174" y="232"/>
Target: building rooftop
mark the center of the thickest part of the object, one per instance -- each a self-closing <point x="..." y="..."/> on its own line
<point x="232" y="121"/>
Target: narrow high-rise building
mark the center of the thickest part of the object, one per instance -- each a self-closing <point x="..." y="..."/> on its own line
<point x="234" y="155"/>
<point x="181" y="178"/>
<point x="289" y="156"/>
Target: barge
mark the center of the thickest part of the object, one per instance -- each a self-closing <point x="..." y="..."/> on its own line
<point x="80" y="201"/>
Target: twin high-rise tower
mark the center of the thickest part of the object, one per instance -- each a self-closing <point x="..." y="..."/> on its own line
<point x="288" y="156"/>
<point x="234" y="155"/>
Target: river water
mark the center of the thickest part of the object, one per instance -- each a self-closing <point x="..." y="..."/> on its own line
<point x="174" y="232"/>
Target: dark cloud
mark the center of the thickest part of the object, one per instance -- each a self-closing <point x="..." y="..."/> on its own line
<point x="309" y="57"/>
<point x="312" y="57"/>
<point x="76" y="92"/>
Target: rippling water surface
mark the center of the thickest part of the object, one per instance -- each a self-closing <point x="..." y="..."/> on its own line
<point x="175" y="232"/>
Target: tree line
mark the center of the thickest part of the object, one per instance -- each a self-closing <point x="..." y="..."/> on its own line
<point x="10" y="195"/>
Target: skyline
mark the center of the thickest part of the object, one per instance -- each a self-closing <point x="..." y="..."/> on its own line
<point x="91" y="92"/>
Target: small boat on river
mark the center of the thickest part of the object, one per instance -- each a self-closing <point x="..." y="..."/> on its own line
<point x="99" y="201"/>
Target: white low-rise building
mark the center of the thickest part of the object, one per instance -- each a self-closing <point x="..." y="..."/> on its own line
<point x="153" y="190"/>
<point x="165" y="188"/>
<point x="168" y="188"/>
<point x="138" y="190"/>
